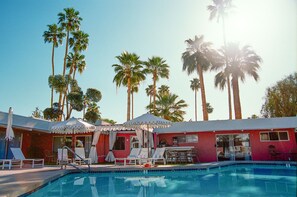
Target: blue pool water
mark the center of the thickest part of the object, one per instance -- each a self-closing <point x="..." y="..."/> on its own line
<point x="233" y="181"/>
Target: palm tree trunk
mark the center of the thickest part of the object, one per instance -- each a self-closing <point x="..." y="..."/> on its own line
<point x="66" y="53"/>
<point x="74" y="72"/>
<point x="128" y="99"/>
<point x="227" y="64"/>
<point x="195" y="105"/>
<point x="60" y="107"/>
<point x="64" y="72"/>
<point x="150" y="103"/>
<point x="132" y="95"/>
<point x="229" y="98"/>
<point x="236" y="98"/>
<point x="203" y="96"/>
<point x="53" y="73"/>
<point x="154" y="91"/>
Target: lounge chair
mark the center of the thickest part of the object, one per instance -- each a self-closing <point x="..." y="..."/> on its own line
<point x="9" y="163"/>
<point x="143" y="156"/>
<point x="18" y="155"/>
<point x="81" y="153"/>
<point x="132" y="157"/>
<point x="158" y="155"/>
<point x="63" y="159"/>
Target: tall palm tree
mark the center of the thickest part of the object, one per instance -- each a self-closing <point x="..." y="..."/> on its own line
<point x="129" y="68"/>
<point x="54" y="35"/>
<point x="70" y="22"/>
<point x="197" y="58"/>
<point x="169" y="107"/>
<point x="242" y="61"/>
<point x="78" y="42"/>
<point x="158" y="67"/>
<point x="195" y="85"/>
<point x="220" y="9"/>
<point x="134" y="89"/>
<point x="150" y="92"/>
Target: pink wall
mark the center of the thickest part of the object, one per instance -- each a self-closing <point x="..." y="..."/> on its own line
<point x="207" y="140"/>
<point x="126" y="152"/>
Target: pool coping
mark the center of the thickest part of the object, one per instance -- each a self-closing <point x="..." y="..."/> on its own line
<point x="26" y="187"/>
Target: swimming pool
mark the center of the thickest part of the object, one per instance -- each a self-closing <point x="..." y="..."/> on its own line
<point x="235" y="180"/>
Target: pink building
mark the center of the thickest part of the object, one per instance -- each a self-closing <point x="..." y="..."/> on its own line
<point x="217" y="140"/>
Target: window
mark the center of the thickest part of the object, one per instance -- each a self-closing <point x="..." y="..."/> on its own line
<point x="119" y="143"/>
<point x="283" y="136"/>
<point x="274" y="136"/>
<point x="187" y="139"/>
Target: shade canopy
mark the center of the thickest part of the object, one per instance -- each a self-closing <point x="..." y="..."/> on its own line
<point x="147" y="121"/>
<point x="9" y="132"/>
<point x="72" y="126"/>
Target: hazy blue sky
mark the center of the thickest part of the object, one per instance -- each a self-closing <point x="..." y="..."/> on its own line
<point x="154" y="27"/>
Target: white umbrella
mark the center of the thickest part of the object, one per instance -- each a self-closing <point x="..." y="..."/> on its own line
<point x="9" y="132"/>
<point x="147" y="122"/>
<point x="72" y="126"/>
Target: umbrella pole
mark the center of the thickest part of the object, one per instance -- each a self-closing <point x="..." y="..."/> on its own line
<point x="6" y="148"/>
<point x="148" y="142"/>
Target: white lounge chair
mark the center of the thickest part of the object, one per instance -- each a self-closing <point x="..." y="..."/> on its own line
<point x="81" y="153"/>
<point x="62" y="159"/>
<point x="143" y="155"/>
<point x="158" y="155"/>
<point x="18" y="155"/>
<point x="132" y="157"/>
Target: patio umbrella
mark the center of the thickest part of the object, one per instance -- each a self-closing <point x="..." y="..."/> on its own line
<point x="72" y="126"/>
<point x="147" y="122"/>
<point x="9" y="132"/>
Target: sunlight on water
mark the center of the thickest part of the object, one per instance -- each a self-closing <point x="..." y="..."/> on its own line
<point x="233" y="181"/>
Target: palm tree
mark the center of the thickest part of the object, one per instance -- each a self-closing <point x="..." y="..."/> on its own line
<point x="163" y="89"/>
<point x="75" y="62"/>
<point x="54" y="35"/>
<point x="219" y="10"/>
<point x="242" y="61"/>
<point x="150" y="92"/>
<point x="80" y="41"/>
<point x="195" y="85"/>
<point x="209" y="108"/>
<point x="158" y="68"/>
<point x="169" y="107"/>
<point x="128" y="69"/>
<point x="197" y="58"/>
<point x="70" y="21"/>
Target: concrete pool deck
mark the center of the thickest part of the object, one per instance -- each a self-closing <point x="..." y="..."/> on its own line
<point x="16" y="182"/>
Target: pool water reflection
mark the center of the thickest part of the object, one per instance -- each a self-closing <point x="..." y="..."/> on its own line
<point x="240" y="180"/>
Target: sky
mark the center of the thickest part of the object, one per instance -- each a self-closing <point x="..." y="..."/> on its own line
<point x="147" y="28"/>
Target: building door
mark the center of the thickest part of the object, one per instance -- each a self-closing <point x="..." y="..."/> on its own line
<point x="233" y="147"/>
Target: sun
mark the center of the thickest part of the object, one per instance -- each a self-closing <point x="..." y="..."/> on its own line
<point x="245" y="21"/>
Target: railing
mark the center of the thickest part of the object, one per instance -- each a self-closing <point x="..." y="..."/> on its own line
<point x="65" y="161"/>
